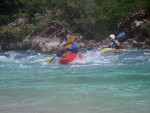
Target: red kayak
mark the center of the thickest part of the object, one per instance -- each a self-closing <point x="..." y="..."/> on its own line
<point x="69" y="58"/>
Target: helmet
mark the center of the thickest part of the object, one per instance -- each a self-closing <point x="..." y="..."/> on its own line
<point x="67" y="36"/>
<point x="121" y="35"/>
<point x="112" y="36"/>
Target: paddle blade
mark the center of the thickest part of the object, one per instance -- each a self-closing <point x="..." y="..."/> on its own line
<point x="49" y="61"/>
<point x="71" y="39"/>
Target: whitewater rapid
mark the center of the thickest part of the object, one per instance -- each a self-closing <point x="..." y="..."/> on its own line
<point x="100" y="83"/>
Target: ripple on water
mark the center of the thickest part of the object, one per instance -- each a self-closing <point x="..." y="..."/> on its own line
<point x="101" y="83"/>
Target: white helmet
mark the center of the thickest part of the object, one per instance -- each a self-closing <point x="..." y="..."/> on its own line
<point x="112" y="36"/>
<point x="67" y="36"/>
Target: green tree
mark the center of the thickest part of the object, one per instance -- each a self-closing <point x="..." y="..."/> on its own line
<point x="84" y="16"/>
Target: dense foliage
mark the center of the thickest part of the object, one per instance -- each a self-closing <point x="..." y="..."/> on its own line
<point x="84" y="16"/>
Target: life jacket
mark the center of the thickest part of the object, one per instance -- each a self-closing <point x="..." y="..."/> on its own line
<point x="72" y="47"/>
<point x="113" y="45"/>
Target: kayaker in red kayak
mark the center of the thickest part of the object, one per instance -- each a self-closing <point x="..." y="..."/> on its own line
<point x="68" y="49"/>
<point x="68" y="52"/>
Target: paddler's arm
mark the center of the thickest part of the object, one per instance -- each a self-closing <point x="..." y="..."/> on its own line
<point x="63" y="50"/>
<point x="117" y="42"/>
<point x="104" y="46"/>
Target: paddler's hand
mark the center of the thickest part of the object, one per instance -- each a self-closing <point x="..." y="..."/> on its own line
<point x="55" y="55"/>
<point x="63" y="48"/>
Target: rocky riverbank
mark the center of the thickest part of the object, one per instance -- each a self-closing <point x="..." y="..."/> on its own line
<point x="49" y="37"/>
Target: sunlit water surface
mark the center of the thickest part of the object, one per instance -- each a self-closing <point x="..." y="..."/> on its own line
<point x="100" y="83"/>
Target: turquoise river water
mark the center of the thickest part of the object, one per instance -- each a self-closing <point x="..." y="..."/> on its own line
<point x="100" y="83"/>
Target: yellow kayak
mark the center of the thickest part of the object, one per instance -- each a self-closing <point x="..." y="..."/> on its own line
<point x="112" y="50"/>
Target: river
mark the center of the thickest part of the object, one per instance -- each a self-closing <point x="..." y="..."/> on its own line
<point x="100" y="83"/>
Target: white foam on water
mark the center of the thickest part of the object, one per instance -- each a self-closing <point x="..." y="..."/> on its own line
<point x="44" y="63"/>
<point x="3" y="58"/>
<point x="17" y="57"/>
<point x="147" y="54"/>
<point x="24" y="66"/>
<point x="93" y="58"/>
<point x="89" y="58"/>
<point x="54" y="87"/>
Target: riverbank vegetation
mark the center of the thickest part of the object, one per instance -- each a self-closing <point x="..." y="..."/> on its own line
<point x="92" y="18"/>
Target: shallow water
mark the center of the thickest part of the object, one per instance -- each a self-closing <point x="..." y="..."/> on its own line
<point x="101" y="83"/>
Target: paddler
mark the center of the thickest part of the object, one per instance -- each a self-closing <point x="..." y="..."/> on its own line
<point x="114" y="43"/>
<point x="69" y="48"/>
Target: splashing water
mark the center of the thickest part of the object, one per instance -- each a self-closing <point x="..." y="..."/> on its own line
<point x="100" y="83"/>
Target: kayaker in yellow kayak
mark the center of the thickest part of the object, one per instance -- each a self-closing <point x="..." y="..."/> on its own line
<point x="69" y="48"/>
<point x="114" y="43"/>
